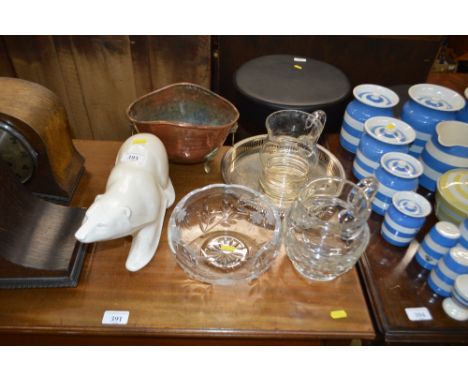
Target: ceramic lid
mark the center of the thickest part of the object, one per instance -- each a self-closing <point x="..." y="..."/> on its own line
<point x="412" y="204"/>
<point x="401" y="165"/>
<point x="390" y="130"/>
<point x="448" y="230"/>
<point x="436" y="97"/>
<point x="453" y="188"/>
<point x="375" y="95"/>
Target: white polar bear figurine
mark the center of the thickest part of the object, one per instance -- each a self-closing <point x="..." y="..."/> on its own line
<point x="138" y="192"/>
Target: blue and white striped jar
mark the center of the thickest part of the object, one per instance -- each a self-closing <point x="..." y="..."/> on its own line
<point x="437" y="243"/>
<point x="462" y="115"/>
<point x="397" y="172"/>
<point x="446" y="150"/>
<point x="457" y="305"/>
<point x="404" y="218"/>
<point x="453" y="264"/>
<point x="428" y="105"/>
<point x="370" y="101"/>
<point x="464" y="234"/>
<point x="381" y="135"/>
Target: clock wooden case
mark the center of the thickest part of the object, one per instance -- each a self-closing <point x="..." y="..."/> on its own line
<point x="35" y="140"/>
<point x="37" y="242"/>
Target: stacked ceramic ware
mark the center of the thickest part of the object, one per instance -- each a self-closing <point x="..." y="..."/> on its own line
<point x="404" y="218"/>
<point x="437" y="243"/>
<point x="397" y="172"/>
<point x="451" y="265"/>
<point x="457" y="305"/>
<point x="381" y="135"/>
<point x="428" y="105"/>
<point x="442" y="277"/>
<point x="369" y="101"/>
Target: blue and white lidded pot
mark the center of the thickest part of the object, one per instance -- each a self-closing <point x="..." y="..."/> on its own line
<point x="404" y="218"/>
<point x="462" y="115"/>
<point x="448" y="268"/>
<point x="456" y="306"/>
<point x="464" y="233"/>
<point x="369" y="101"/>
<point x="381" y="135"/>
<point x="446" y="150"/>
<point x="428" y="105"/>
<point x="437" y="243"/>
<point x="397" y="172"/>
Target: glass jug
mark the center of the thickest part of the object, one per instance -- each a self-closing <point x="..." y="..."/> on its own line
<point x="289" y="153"/>
<point x="326" y="227"/>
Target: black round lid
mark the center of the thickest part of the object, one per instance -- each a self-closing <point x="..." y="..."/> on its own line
<point x="286" y="81"/>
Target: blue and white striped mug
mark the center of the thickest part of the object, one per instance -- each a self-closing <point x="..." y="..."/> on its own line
<point x="369" y="101"/>
<point x="437" y="243"/>
<point x="404" y="218"/>
<point x="442" y="277"/>
<point x="382" y="135"/>
<point x="397" y="172"/>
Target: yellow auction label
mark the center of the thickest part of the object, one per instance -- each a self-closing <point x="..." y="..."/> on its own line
<point x="227" y="248"/>
<point x="337" y="314"/>
<point x="139" y="141"/>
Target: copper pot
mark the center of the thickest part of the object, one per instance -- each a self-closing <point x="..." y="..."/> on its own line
<point x="191" y="121"/>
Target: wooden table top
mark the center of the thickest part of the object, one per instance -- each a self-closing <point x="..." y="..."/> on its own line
<point x="395" y="281"/>
<point x="165" y="304"/>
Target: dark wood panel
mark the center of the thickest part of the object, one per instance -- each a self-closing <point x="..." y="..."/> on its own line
<point x="140" y="46"/>
<point x="105" y="70"/>
<point x="6" y="68"/>
<point x="77" y="112"/>
<point x="180" y="59"/>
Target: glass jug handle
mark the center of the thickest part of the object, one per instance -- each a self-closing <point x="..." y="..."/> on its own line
<point x="370" y="186"/>
<point x="316" y="122"/>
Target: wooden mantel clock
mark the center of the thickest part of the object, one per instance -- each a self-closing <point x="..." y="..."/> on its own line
<point x="37" y="158"/>
<point x="35" y="140"/>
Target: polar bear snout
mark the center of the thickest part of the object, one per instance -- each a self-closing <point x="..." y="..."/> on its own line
<point x="83" y="233"/>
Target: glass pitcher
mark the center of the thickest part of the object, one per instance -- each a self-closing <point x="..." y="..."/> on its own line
<point x="326" y="227"/>
<point x="289" y="153"/>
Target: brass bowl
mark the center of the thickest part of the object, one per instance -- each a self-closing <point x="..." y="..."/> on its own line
<point x="191" y="121"/>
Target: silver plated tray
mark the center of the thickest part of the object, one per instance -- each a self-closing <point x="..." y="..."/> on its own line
<point x="241" y="163"/>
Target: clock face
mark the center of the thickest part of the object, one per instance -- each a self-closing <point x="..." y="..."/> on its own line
<point x="16" y="152"/>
